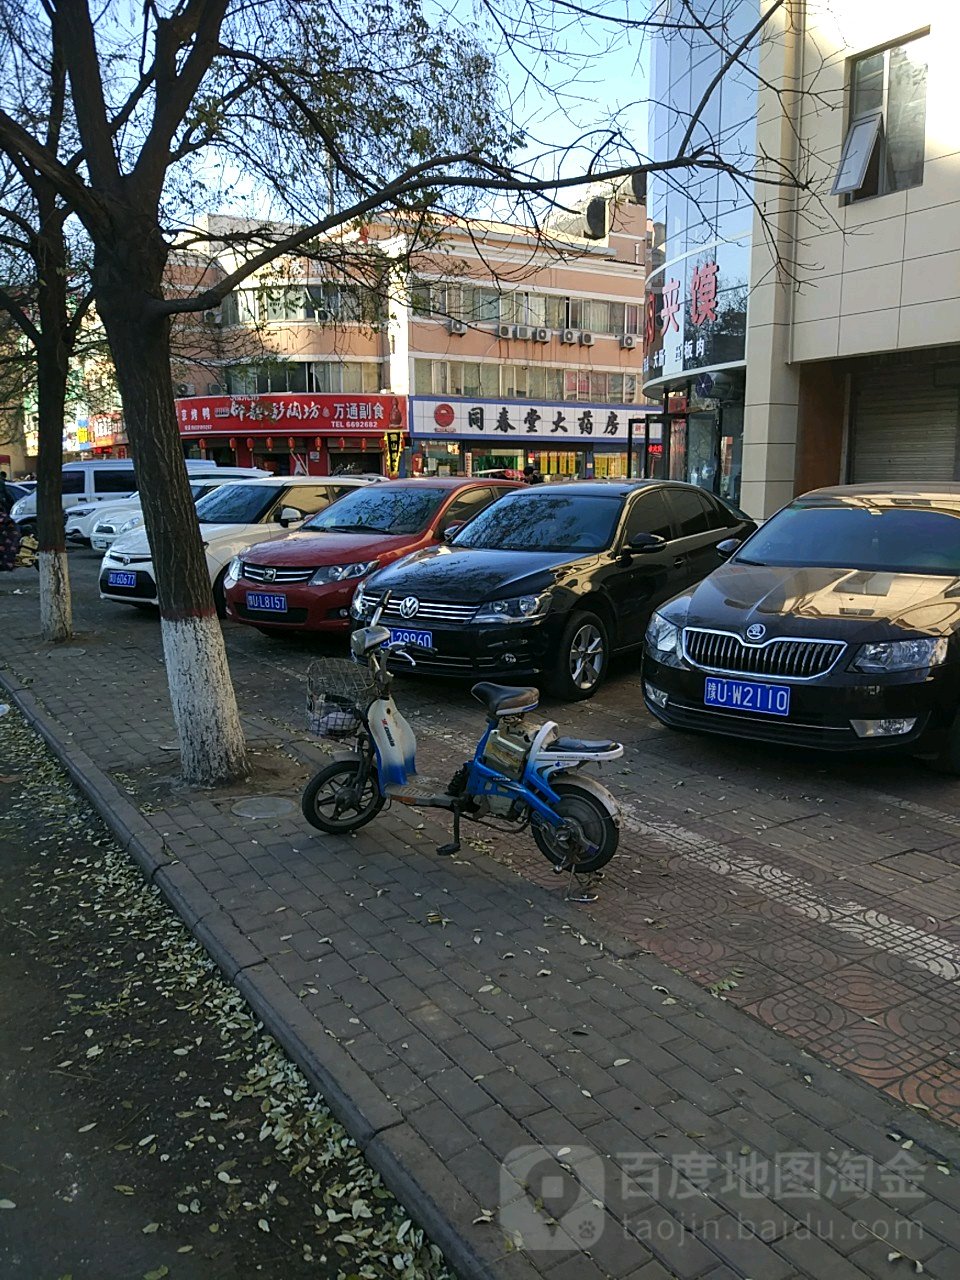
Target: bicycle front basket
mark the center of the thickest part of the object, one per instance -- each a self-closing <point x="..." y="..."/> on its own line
<point x="338" y="693"/>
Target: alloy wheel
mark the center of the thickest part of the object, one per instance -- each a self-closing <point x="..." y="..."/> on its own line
<point x="586" y="656"/>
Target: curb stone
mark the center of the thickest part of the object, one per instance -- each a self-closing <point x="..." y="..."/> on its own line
<point x="354" y="1100"/>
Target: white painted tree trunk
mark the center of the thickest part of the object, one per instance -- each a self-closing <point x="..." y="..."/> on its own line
<point x="56" y="609"/>
<point x="212" y="748"/>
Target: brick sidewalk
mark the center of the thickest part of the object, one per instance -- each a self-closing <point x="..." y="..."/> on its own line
<point x="475" y="1037"/>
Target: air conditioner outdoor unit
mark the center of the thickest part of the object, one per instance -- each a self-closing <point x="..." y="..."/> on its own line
<point x="568" y="335"/>
<point x="213" y="317"/>
<point x="506" y="330"/>
<point x="458" y="327"/>
<point x="586" y="339"/>
<point x="628" y="341"/>
<point x="186" y="389"/>
<point x="541" y="335"/>
<point x="524" y="332"/>
<point x="214" y="389"/>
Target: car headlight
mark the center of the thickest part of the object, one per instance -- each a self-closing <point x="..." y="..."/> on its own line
<point x="17" y="510"/>
<point x="900" y="655"/>
<point x="516" y="609"/>
<point x="234" y="569"/>
<point x="663" y="640"/>
<point x="341" y="572"/>
<point x="133" y="523"/>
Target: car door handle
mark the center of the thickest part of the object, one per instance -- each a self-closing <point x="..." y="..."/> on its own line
<point x="679" y="561"/>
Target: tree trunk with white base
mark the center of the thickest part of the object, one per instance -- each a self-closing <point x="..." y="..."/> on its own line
<point x="128" y="274"/>
<point x="56" y="612"/>
<point x="56" y="615"/>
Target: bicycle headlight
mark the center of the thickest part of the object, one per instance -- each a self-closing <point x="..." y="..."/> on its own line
<point x="901" y="655"/>
<point x="514" y="609"/>
<point x="342" y="572"/>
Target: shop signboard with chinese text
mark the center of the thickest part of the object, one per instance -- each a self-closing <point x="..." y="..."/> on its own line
<point x="341" y="413"/>
<point x="525" y="421"/>
<point x="695" y="313"/>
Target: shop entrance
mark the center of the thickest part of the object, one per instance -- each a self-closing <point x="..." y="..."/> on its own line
<point x="354" y="462"/>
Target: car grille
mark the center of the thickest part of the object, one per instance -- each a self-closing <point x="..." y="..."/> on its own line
<point x="120" y="558"/>
<point x="263" y="573"/>
<point x="429" y="611"/>
<point x="104" y="528"/>
<point x="785" y="658"/>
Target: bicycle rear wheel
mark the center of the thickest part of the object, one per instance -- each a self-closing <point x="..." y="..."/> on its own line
<point x="589" y="837"/>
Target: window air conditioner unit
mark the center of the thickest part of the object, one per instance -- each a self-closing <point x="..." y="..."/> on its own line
<point x="186" y="389"/>
<point x="568" y="335"/>
<point x="541" y="335"/>
<point x="214" y="389"/>
<point x="524" y="332"/>
<point x="628" y="341"/>
<point x="586" y="339"/>
<point x="458" y="327"/>
<point x="506" y="330"/>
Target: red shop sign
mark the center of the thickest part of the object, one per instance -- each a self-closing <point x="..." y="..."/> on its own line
<point x="338" y="413"/>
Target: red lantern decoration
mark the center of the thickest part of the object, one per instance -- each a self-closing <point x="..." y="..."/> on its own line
<point x="343" y="443"/>
<point x="317" y="442"/>
<point x="202" y="443"/>
<point x="233" y="442"/>
<point x="269" y="442"/>
<point x="249" y="442"/>
<point x="291" y="441"/>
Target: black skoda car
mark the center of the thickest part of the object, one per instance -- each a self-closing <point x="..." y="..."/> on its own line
<point x="836" y="625"/>
<point x="551" y="580"/>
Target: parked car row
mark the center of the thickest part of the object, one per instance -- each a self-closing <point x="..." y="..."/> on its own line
<point x="833" y="624"/>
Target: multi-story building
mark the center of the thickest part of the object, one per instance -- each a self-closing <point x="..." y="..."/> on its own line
<point x="851" y="365"/>
<point x="491" y="348"/>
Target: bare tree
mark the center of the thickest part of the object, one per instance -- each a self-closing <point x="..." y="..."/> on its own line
<point x="330" y="115"/>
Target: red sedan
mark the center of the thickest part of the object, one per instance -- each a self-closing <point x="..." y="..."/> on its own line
<point x="305" y="582"/>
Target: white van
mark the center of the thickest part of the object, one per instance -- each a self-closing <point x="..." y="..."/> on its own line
<point x="103" y="480"/>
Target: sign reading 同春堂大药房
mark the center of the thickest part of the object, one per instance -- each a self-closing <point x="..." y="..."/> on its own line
<point x="564" y="420"/>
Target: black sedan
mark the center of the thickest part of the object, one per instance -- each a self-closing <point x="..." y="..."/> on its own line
<point x="550" y="581"/>
<point x="836" y="625"/>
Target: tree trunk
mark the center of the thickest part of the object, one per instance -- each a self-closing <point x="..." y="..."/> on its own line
<point x="56" y="614"/>
<point x="127" y="279"/>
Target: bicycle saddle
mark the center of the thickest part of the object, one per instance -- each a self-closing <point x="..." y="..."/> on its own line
<point x="505" y="699"/>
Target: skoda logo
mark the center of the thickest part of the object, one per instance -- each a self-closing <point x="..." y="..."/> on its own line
<point x="269" y="575"/>
<point x="409" y="607"/>
<point x="756" y="631"/>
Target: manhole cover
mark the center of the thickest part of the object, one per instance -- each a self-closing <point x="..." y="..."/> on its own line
<point x="263" y="807"/>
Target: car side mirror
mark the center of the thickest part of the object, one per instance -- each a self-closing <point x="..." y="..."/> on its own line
<point x="726" y="548"/>
<point x="644" y="543"/>
<point x="289" y="515"/>
<point x="451" y="531"/>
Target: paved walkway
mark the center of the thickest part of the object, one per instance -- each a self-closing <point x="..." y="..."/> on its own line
<point x="502" y="1057"/>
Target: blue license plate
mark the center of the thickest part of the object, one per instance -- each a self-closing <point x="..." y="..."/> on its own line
<point x="115" y="579"/>
<point x="403" y="635"/>
<point x="743" y="695"/>
<point x="267" y="601"/>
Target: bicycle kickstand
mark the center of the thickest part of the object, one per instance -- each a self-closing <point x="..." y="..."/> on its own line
<point x="445" y="850"/>
<point x="582" y="889"/>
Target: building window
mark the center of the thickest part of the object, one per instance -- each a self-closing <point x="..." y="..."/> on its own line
<point x="482" y="379"/>
<point x="264" y="378"/>
<point x="478" y="304"/>
<point x="884" y="147"/>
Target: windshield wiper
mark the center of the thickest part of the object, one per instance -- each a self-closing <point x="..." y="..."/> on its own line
<point x="346" y="528"/>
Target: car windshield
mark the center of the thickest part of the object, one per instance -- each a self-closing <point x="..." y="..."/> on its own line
<point x="380" y="510"/>
<point x="544" y="522"/>
<point x="236" y="503"/>
<point x="868" y="535"/>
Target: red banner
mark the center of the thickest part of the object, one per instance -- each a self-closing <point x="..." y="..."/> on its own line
<point x="289" y="413"/>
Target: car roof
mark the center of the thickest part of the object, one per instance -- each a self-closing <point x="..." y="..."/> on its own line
<point x="275" y="482"/>
<point x="604" y="488"/>
<point x="921" y="489"/>
<point x="447" y="482"/>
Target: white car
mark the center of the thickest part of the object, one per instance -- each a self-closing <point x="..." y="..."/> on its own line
<point x="232" y="518"/>
<point x="102" y="526"/>
<point x="83" y="517"/>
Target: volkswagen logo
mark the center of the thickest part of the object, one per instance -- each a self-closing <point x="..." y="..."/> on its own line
<point x="269" y="575"/>
<point x="409" y="607"/>
<point x="756" y="631"/>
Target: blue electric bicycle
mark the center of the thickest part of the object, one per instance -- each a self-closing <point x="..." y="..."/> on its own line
<point x="520" y="776"/>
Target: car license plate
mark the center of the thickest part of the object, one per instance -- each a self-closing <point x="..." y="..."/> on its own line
<point x="267" y="601"/>
<point x="743" y="695"/>
<point x="115" y="579"/>
<point x="402" y="635"/>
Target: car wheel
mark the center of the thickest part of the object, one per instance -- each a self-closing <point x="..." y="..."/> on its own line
<point x="582" y="659"/>
<point x="219" y="597"/>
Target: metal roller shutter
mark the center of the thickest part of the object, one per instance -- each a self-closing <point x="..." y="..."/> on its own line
<point x="901" y="430"/>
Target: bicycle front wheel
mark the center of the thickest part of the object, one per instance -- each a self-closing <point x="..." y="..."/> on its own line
<point x="340" y="799"/>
